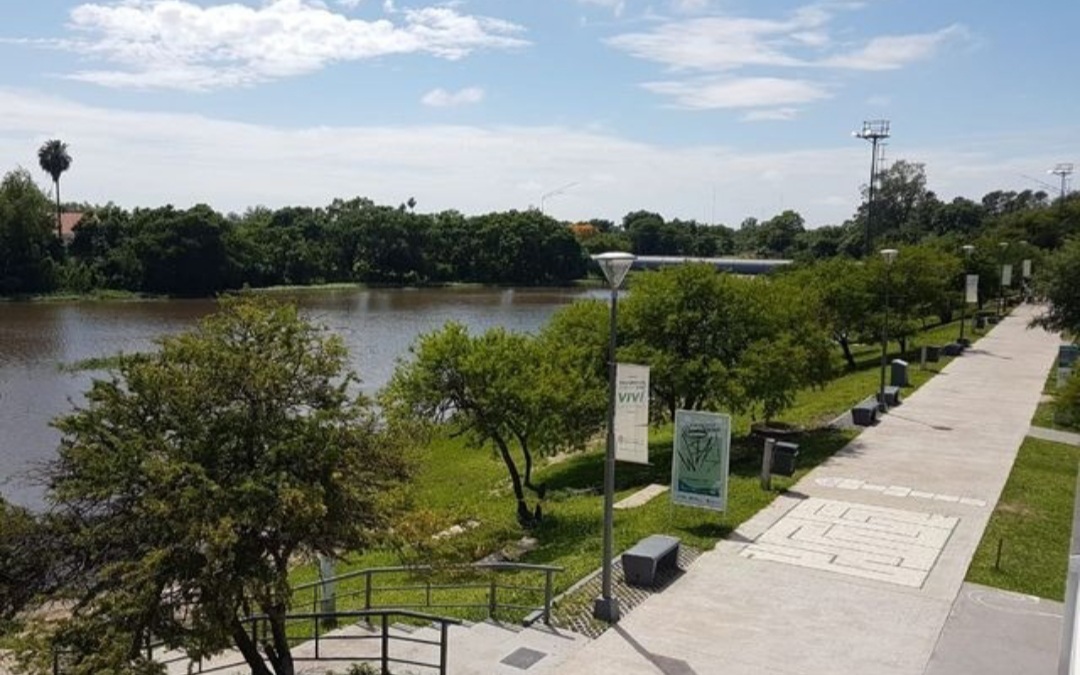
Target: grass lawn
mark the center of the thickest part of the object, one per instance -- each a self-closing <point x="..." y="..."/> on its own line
<point x="1046" y="413"/>
<point x="1033" y="523"/>
<point x="458" y="484"/>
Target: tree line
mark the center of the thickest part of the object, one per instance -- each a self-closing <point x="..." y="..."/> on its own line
<point x="199" y="251"/>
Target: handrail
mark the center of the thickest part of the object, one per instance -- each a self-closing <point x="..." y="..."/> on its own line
<point x="495" y="566"/>
<point x="492" y="604"/>
<point x="318" y="619"/>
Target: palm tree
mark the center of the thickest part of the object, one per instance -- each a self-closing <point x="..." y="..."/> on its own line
<point x="55" y="160"/>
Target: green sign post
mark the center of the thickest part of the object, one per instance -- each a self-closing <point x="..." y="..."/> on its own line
<point x="699" y="464"/>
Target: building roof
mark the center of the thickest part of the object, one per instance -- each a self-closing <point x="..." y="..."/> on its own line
<point x="68" y="221"/>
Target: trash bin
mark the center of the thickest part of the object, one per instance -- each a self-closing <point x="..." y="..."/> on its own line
<point x="980" y="322"/>
<point x="899" y="376"/>
<point x="783" y="458"/>
<point x="933" y="353"/>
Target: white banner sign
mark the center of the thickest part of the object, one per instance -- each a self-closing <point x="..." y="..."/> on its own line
<point x="699" y="464"/>
<point x="1027" y="269"/>
<point x="632" y="413"/>
<point x="972" y="294"/>
<point x="1006" y="275"/>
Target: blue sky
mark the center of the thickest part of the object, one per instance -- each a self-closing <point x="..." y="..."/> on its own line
<point x="713" y="110"/>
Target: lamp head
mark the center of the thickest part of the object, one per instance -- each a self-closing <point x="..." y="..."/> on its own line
<point x="615" y="265"/>
<point x="889" y="255"/>
<point x="968" y="249"/>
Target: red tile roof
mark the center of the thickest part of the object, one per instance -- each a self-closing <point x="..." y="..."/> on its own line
<point x="68" y="221"/>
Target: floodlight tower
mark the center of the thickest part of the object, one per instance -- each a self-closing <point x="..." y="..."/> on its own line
<point x="873" y="131"/>
<point x="1064" y="170"/>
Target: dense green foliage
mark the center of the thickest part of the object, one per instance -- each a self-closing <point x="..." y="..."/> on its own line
<point x="197" y="476"/>
<point x="27" y="243"/>
<point x="1059" y="282"/>
<point x="199" y="251"/>
<point x="722" y="341"/>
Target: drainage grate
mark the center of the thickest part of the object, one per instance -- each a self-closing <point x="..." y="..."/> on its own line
<point x="523" y="658"/>
<point x="574" y="610"/>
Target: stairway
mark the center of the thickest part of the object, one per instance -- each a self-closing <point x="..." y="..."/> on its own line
<point x="473" y="649"/>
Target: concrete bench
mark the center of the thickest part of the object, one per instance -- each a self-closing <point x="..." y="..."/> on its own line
<point x="865" y="412"/>
<point x="648" y="557"/>
<point x="892" y="396"/>
<point x="953" y="349"/>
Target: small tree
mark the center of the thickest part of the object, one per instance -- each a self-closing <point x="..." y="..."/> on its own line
<point x="1058" y="281"/>
<point x="195" y="477"/>
<point x="503" y="388"/>
<point x="54" y="160"/>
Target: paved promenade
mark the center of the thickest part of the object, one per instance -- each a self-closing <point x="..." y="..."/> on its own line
<point x="856" y="569"/>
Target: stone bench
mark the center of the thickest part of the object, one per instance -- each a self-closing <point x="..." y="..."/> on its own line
<point x="865" y="412"/>
<point x="892" y="396"/>
<point x="648" y="557"/>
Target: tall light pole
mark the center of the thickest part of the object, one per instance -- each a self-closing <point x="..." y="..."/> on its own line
<point x="967" y="249"/>
<point x="1001" y="277"/>
<point x="615" y="265"/>
<point x="888" y="255"/>
<point x="1064" y="170"/>
<point x="873" y="131"/>
<point x="554" y="193"/>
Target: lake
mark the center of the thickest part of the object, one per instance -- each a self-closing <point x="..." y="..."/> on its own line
<point x="378" y="326"/>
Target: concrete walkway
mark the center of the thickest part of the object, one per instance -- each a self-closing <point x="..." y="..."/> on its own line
<point x="857" y="568"/>
<point x="1066" y="437"/>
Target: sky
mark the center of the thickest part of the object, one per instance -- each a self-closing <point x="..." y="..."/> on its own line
<point x="714" y="110"/>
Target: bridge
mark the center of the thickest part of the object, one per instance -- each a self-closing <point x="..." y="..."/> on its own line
<point x="733" y="265"/>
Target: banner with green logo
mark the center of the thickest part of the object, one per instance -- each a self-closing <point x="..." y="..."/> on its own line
<point x="699" y="463"/>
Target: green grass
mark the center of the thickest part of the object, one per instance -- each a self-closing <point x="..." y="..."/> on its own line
<point x="458" y="483"/>
<point x="1046" y="414"/>
<point x="1032" y="522"/>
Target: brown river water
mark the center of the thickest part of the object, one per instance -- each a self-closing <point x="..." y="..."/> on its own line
<point x="378" y="325"/>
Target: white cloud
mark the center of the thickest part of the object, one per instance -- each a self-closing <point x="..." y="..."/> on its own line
<point x="800" y="41"/>
<point x="441" y="98"/>
<point x="710" y="44"/>
<point x="895" y="51"/>
<point x="771" y="114"/>
<point x="151" y="159"/>
<point x="616" y="6"/>
<point x="748" y="92"/>
<point x="178" y="44"/>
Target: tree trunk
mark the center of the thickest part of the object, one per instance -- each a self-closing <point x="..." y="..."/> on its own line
<point x="248" y="649"/>
<point x="59" y="225"/>
<point x="903" y="346"/>
<point x="541" y="489"/>
<point x="845" y="345"/>
<point x="282" y="656"/>
<point x="524" y="517"/>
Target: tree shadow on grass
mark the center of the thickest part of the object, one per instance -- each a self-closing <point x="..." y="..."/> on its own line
<point x="585" y="473"/>
<point x="815" y="446"/>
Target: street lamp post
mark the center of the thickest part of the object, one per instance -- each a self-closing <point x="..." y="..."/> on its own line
<point x="889" y="256"/>
<point x="615" y="265"/>
<point x="967" y="249"/>
<point x="873" y="131"/>
<point x="1001" y="277"/>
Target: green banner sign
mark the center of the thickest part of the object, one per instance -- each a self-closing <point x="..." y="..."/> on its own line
<point x="699" y="464"/>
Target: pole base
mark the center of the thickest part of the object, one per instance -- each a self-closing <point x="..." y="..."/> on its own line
<point x="606" y="610"/>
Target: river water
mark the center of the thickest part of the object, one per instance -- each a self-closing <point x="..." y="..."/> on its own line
<point x="378" y="326"/>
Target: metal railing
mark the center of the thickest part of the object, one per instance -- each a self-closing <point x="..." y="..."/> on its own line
<point x="426" y="587"/>
<point x="258" y="627"/>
